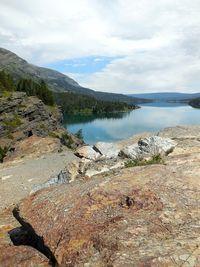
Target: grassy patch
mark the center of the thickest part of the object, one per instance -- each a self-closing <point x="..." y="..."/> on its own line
<point x="154" y="160"/>
<point x="67" y="140"/>
<point x="7" y="94"/>
<point x="12" y="124"/>
<point x="53" y="135"/>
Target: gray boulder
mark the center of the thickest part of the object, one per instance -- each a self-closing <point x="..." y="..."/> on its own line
<point x="148" y="147"/>
<point x="61" y="178"/>
<point x="107" y="150"/>
<point x="155" y="145"/>
<point x="132" y="152"/>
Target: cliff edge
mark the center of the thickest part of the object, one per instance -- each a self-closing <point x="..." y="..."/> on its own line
<point x="28" y="127"/>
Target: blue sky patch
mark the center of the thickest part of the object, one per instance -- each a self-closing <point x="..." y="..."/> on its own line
<point x="81" y="65"/>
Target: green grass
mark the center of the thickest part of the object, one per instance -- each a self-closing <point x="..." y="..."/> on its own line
<point x="53" y="135"/>
<point x="138" y="162"/>
<point x="67" y="140"/>
<point x="7" y="94"/>
<point x="12" y="124"/>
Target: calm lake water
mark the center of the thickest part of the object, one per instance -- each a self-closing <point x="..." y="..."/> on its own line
<point x="117" y="126"/>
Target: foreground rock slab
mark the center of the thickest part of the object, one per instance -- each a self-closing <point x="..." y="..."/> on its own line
<point x="23" y="256"/>
<point x="142" y="216"/>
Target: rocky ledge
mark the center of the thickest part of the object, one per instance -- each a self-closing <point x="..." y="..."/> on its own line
<point x="139" y="216"/>
<point x="22" y="117"/>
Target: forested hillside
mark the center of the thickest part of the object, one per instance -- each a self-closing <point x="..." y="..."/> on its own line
<point x="76" y="103"/>
<point x="30" y="87"/>
<point x="69" y="102"/>
<point x="56" y="81"/>
<point x="195" y="103"/>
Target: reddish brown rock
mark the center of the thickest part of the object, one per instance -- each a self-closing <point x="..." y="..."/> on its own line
<point x="34" y="146"/>
<point x="141" y="216"/>
<point x="144" y="216"/>
<point x="21" y="256"/>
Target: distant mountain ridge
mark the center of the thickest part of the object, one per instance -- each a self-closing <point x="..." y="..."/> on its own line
<point x="56" y="81"/>
<point x="167" y="96"/>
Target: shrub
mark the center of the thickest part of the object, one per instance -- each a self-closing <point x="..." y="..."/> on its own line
<point x="67" y="140"/>
<point x="142" y="162"/>
<point x="3" y="152"/>
<point x="79" y="134"/>
<point x="53" y="135"/>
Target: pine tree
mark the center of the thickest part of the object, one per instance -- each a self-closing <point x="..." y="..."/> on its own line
<point x="6" y="82"/>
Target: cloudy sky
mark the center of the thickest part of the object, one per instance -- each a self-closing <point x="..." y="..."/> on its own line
<point x="128" y="46"/>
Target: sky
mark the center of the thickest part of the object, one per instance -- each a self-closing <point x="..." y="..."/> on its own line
<point x="121" y="46"/>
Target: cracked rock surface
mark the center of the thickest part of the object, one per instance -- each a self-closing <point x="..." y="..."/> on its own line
<point x="141" y="216"/>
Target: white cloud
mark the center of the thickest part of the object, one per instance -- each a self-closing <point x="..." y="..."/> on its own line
<point x="157" y="42"/>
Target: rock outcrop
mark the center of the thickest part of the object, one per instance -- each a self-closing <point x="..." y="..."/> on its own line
<point x="141" y="216"/>
<point x="148" y="147"/>
<point x="107" y="150"/>
<point x="15" y="256"/>
<point x="106" y="157"/>
<point x="22" y="117"/>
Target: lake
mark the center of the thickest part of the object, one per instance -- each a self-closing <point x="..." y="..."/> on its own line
<point x="149" y="118"/>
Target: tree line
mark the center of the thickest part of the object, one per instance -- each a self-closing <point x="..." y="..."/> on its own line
<point x="30" y="87"/>
<point x="70" y="102"/>
<point x="77" y="103"/>
<point x="195" y="103"/>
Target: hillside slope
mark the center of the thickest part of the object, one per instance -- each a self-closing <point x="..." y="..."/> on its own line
<point x="56" y="81"/>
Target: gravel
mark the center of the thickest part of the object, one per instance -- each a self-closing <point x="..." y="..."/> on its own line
<point x="18" y="178"/>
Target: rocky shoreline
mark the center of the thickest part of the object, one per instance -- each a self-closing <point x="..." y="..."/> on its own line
<point x="93" y="214"/>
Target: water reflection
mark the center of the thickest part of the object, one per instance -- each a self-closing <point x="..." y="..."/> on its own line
<point x="70" y="119"/>
<point x="113" y="127"/>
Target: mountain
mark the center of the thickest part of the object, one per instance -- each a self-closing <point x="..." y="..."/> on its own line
<point x="167" y="96"/>
<point x="56" y="81"/>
